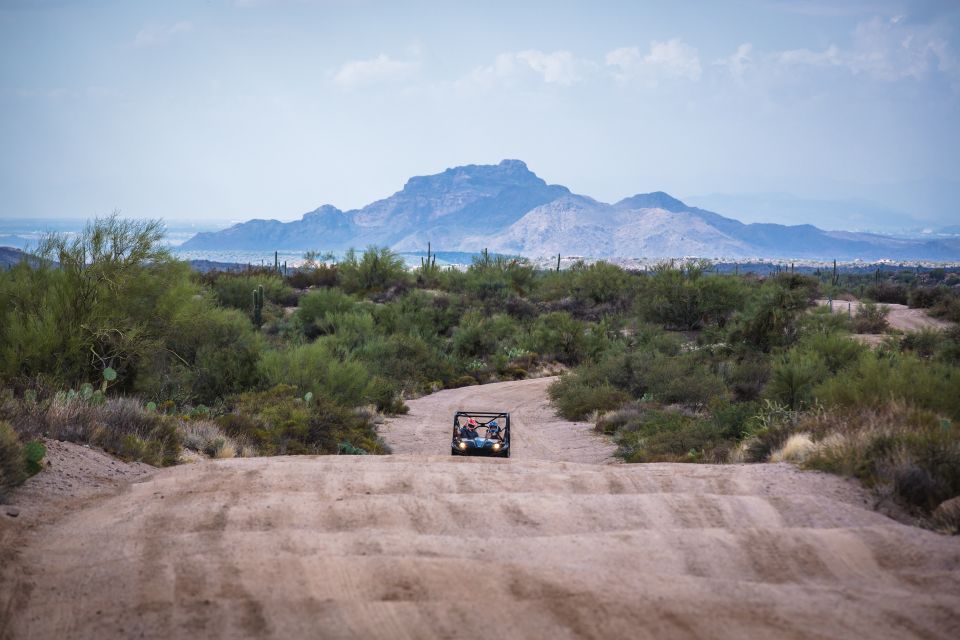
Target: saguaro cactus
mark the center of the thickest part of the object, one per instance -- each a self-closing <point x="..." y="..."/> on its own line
<point x="258" y="305"/>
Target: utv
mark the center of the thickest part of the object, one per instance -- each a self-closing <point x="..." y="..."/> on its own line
<point x="481" y="433"/>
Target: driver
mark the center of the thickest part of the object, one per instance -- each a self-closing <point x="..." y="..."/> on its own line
<point x="469" y="430"/>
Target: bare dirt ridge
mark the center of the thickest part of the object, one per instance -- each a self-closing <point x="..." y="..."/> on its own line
<point x="423" y="545"/>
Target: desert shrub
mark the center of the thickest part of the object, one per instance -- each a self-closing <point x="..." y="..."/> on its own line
<point x="946" y="517"/>
<point x="105" y="301"/>
<point x="771" y="317"/>
<point x="377" y="270"/>
<point x="12" y="468"/>
<point x="871" y="318"/>
<point x="602" y="283"/>
<point x="463" y="381"/>
<point x="210" y="352"/>
<point x="878" y="378"/>
<point x="669" y="436"/>
<point x="910" y="452"/>
<point x="687" y="298"/>
<point x="948" y="308"/>
<point x="888" y="293"/>
<point x="924" y="343"/>
<point x="205" y="436"/>
<point x="385" y="395"/>
<point x="768" y="430"/>
<point x="122" y="426"/>
<point x="559" y="336"/>
<point x="835" y="351"/>
<point x="235" y="290"/>
<point x="317" y="367"/>
<point x="280" y="421"/>
<point x="576" y="397"/>
<point x="314" y="307"/>
<point x="793" y="379"/>
<point x="747" y="378"/>
<point x="927" y="297"/>
<point x="478" y="336"/>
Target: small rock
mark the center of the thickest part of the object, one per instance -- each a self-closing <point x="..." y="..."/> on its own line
<point x="13" y="512"/>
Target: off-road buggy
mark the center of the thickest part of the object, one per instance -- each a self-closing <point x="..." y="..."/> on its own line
<point x="481" y="433"/>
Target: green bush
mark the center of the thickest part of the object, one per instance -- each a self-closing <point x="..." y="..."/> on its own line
<point x="314" y="308"/>
<point x="559" y="336"/>
<point x="318" y="368"/>
<point x="377" y="270"/>
<point x="576" y="398"/>
<point x="794" y="378"/>
<point x="235" y="290"/>
<point x="688" y="298"/>
<point x="280" y="422"/>
<point x="878" y="378"/>
<point x="668" y="436"/>
<point x="12" y="469"/>
<point x="871" y="318"/>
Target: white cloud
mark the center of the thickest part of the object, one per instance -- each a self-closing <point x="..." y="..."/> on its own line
<point x="738" y="62"/>
<point x="884" y="49"/>
<point x="154" y="36"/>
<point x="829" y="57"/>
<point x="673" y="59"/>
<point x="559" y="68"/>
<point x="378" y="70"/>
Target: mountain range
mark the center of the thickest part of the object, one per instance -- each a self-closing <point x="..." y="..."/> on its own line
<point x="507" y="208"/>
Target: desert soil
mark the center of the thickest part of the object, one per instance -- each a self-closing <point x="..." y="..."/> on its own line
<point x="551" y="543"/>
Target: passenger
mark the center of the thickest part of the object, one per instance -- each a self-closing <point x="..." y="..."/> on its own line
<point x="493" y="431"/>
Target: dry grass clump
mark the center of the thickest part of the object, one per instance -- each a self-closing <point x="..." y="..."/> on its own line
<point x="911" y="454"/>
<point x="122" y="426"/>
<point x="209" y="439"/>
<point x="797" y="448"/>
<point x="946" y="517"/>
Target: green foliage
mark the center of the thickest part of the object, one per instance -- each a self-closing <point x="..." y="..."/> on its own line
<point x="793" y="379"/>
<point x="878" y="378"/>
<point x="668" y="436"/>
<point x="377" y="270"/>
<point x="560" y="336"/>
<point x="771" y="317"/>
<point x="686" y="297"/>
<point x="234" y="289"/>
<point x="870" y="318"/>
<point x="315" y="307"/>
<point x="576" y="396"/>
<point x="279" y="422"/>
<point x="106" y="303"/>
<point x="12" y="468"/>
<point x="33" y="453"/>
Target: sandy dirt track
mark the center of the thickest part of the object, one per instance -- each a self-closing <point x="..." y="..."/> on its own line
<point x="900" y="316"/>
<point x="429" y="546"/>
<point x="543" y="435"/>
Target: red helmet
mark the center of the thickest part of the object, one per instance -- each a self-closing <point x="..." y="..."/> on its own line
<point x="473" y="422"/>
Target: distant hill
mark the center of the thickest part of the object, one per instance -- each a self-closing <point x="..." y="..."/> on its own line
<point x="509" y="209"/>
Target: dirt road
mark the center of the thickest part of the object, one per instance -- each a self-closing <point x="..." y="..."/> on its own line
<point x="543" y="436"/>
<point x="899" y="316"/>
<point x="429" y="546"/>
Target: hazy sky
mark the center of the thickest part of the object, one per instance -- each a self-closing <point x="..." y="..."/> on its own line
<point x="230" y="110"/>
